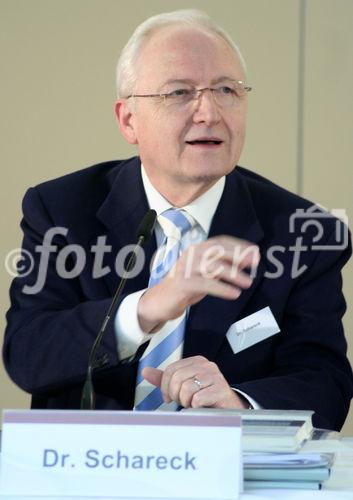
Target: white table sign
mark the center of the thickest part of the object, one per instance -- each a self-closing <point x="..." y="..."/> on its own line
<point x="151" y="455"/>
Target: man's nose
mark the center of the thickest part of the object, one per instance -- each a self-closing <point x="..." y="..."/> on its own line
<point x="206" y="109"/>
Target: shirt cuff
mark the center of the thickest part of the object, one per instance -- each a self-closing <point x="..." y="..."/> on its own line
<point x="255" y="405"/>
<point x="128" y="333"/>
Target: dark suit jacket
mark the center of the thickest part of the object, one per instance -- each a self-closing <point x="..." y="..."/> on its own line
<point x="50" y="333"/>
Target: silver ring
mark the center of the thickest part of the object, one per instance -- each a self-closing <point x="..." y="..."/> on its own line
<point x="198" y="383"/>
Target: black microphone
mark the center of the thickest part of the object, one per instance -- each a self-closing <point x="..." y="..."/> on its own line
<point x="144" y="233"/>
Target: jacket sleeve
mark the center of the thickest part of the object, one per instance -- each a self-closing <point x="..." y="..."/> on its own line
<point x="310" y="368"/>
<point x="51" y="328"/>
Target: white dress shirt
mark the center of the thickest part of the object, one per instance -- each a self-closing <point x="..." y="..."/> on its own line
<point x="127" y="328"/>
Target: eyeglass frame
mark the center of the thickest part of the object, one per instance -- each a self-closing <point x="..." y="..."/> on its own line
<point x="198" y="92"/>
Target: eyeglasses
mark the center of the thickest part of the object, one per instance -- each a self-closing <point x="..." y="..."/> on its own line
<point x="224" y="95"/>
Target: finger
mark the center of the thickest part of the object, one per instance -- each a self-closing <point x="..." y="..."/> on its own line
<point x="206" y="398"/>
<point x="240" y="279"/>
<point x="189" y="366"/>
<point x="152" y="375"/>
<point x="228" y="273"/>
<point x="184" y="376"/>
<point x="215" y="396"/>
<point x="189" y="379"/>
<point x="187" y="390"/>
<point x="242" y="253"/>
<point x="192" y="386"/>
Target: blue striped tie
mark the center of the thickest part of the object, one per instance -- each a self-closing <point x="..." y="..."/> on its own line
<point x="164" y="347"/>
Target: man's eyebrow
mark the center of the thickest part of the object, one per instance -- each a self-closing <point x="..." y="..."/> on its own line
<point x="177" y="80"/>
<point x="226" y="79"/>
<point x="188" y="81"/>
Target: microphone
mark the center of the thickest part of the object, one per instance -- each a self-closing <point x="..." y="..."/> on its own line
<point x="144" y="233"/>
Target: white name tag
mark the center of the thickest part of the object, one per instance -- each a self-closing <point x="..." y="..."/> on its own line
<point x="121" y="455"/>
<point x="252" y="329"/>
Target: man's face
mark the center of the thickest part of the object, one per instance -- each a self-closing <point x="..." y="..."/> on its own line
<point x="171" y="139"/>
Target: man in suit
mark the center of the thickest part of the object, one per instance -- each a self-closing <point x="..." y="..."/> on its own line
<point x="183" y="102"/>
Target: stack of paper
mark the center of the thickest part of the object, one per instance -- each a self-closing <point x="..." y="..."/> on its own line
<point x="275" y="450"/>
<point x="275" y="430"/>
<point x="271" y="430"/>
<point x="287" y="471"/>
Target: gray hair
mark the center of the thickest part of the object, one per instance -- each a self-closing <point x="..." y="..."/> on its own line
<point x="126" y="69"/>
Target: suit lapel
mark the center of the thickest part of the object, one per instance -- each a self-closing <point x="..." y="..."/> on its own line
<point x="121" y="213"/>
<point x="210" y="319"/>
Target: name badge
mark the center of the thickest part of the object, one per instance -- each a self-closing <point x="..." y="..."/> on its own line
<point x="120" y="455"/>
<point x="252" y="329"/>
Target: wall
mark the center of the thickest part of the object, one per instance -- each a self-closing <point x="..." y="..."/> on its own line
<point x="57" y="100"/>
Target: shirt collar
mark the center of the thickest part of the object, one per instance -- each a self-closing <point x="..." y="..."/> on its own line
<point x="202" y="209"/>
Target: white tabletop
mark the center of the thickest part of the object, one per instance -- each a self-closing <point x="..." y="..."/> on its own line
<point x="258" y="495"/>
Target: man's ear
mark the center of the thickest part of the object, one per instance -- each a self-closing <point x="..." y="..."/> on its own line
<point x="125" y="121"/>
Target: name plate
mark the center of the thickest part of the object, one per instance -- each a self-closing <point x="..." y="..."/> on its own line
<point x="121" y="454"/>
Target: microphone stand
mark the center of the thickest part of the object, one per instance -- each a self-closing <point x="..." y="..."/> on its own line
<point x="144" y="233"/>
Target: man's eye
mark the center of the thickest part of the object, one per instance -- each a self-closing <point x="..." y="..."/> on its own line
<point x="226" y="90"/>
<point x="179" y="93"/>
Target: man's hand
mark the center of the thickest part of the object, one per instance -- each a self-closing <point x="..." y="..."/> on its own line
<point x="177" y="383"/>
<point x="213" y="267"/>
